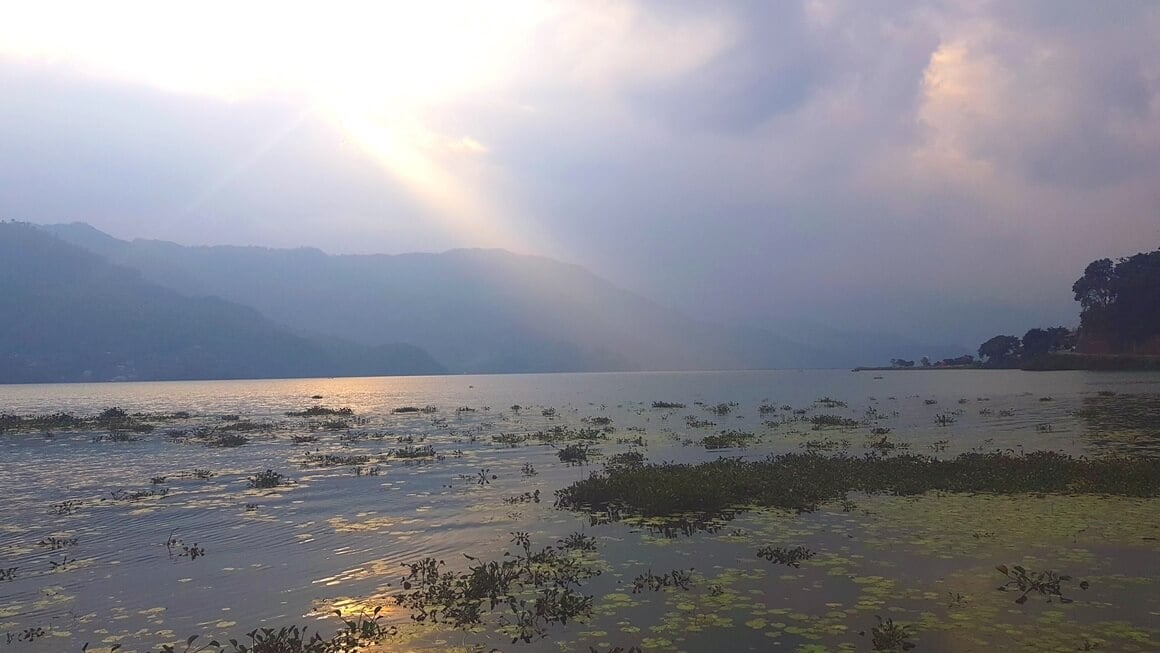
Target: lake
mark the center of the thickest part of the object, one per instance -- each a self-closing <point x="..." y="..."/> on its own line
<point x="119" y="533"/>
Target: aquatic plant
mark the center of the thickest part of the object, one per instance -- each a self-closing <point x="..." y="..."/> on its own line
<point x="510" y="439"/>
<point x="564" y="434"/>
<point x="804" y="480"/>
<point x="692" y="422"/>
<point x="625" y="459"/>
<point x="944" y="419"/>
<point x="27" y="635"/>
<point x="574" y="454"/>
<point x="8" y="574"/>
<point x="526" y="497"/>
<point x="667" y="404"/>
<point x="226" y="440"/>
<point x="336" y="460"/>
<point x="319" y="411"/>
<point x="722" y="409"/>
<point x="412" y="452"/>
<point x="528" y="470"/>
<point x="178" y="549"/>
<point x="782" y="556"/>
<point x="829" y="402"/>
<point x="676" y="579"/>
<point x="890" y="637"/>
<point x="55" y="543"/>
<point x="64" y="507"/>
<point x="355" y="635"/>
<point x="136" y="495"/>
<point x="530" y="590"/>
<point x="833" y="421"/>
<point x="267" y="479"/>
<point x="728" y="439"/>
<point x="1044" y="583"/>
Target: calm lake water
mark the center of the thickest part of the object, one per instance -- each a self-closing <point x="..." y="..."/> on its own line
<point x="337" y="536"/>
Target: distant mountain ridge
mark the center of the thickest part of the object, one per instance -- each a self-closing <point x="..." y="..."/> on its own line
<point x="479" y="311"/>
<point x="71" y="315"/>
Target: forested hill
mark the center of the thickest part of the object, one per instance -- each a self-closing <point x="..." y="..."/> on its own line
<point x="70" y="315"/>
<point x="479" y="311"/>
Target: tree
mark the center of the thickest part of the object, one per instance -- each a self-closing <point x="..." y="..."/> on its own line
<point x="1094" y="290"/>
<point x="926" y="361"/>
<point x="1120" y="301"/>
<point x="1000" y="351"/>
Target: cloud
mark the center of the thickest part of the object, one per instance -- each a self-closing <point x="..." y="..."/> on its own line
<point x="747" y="159"/>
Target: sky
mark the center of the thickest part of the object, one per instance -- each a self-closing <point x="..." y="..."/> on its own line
<point x="943" y="170"/>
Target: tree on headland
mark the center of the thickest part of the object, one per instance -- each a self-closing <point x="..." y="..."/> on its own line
<point x="1001" y="351"/>
<point x="1120" y="305"/>
<point x="1040" y="342"/>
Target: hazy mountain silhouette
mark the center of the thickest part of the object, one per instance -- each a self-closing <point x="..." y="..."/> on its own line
<point x="473" y="310"/>
<point x="72" y="316"/>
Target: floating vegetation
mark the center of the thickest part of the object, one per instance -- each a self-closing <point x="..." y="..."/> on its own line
<point x="625" y="459"/>
<point x="510" y="439"/>
<point x="944" y="419"/>
<point x="303" y="439"/>
<point x="804" y="480"/>
<point x="319" y="411"/>
<point x="356" y="635"/>
<point x="825" y="444"/>
<point x="336" y="460"/>
<point x="692" y="422"/>
<point x="268" y="479"/>
<point x="548" y="578"/>
<point x="1044" y="583"/>
<point x="110" y="419"/>
<point x="411" y="452"/>
<point x="226" y="440"/>
<point x="137" y="495"/>
<point x="667" y="404"/>
<point x="26" y="635"/>
<point x="833" y="421"/>
<point x="782" y="556"/>
<point x="56" y="543"/>
<point x="829" y="402"/>
<point x="64" y="507"/>
<point x="722" y="409"/>
<point x="890" y="637"/>
<point x="574" y="454"/>
<point x="178" y="549"/>
<point x="564" y="434"/>
<point x="528" y="470"/>
<point x="526" y="497"/>
<point x="676" y="579"/>
<point x="8" y="574"/>
<point x="728" y="440"/>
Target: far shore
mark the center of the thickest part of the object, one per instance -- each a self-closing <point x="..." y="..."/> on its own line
<point x="1053" y="362"/>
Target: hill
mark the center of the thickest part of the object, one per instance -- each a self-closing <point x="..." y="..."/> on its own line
<point x="487" y="311"/>
<point x="71" y="315"/>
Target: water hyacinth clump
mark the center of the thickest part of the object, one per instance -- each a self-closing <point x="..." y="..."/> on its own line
<point x="799" y="481"/>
